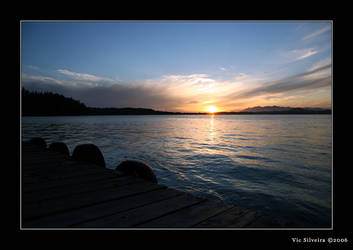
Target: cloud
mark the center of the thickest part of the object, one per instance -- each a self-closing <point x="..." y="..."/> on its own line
<point x="316" y="78"/>
<point x="305" y="53"/>
<point x="83" y="76"/>
<point x="41" y="79"/>
<point x="321" y="63"/>
<point x="299" y="54"/>
<point x="317" y="33"/>
<point x="33" y="67"/>
<point x="125" y="95"/>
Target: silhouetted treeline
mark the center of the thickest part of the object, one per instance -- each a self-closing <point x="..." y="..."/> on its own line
<point x="125" y="111"/>
<point x="47" y="103"/>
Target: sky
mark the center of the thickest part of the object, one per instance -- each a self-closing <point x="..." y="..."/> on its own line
<point x="184" y="66"/>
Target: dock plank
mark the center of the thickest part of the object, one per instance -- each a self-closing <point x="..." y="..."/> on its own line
<point x="47" y="207"/>
<point x="189" y="216"/>
<point x="78" y="216"/>
<point x="35" y="187"/>
<point x="77" y="188"/>
<point x="233" y="217"/>
<point x="133" y="217"/>
<point x="33" y="178"/>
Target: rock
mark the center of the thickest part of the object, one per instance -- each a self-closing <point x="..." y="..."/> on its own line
<point x="138" y="169"/>
<point x="89" y="153"/>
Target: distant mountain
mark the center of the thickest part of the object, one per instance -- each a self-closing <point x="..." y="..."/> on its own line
<point x="286" y="110"/>
<point x="266" y="109"/>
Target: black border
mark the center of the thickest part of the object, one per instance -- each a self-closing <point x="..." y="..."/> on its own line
<point x="183" y="238"/>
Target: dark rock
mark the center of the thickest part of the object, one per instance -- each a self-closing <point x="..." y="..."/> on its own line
<point x="89" y="153"/>
<point x="137" y="169"/>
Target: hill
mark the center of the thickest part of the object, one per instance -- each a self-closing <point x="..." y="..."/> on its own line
<point x="284" y="110"/>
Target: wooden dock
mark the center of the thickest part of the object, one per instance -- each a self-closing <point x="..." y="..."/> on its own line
<point x="58" y="192"/>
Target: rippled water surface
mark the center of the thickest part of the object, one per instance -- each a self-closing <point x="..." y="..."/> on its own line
<point x="273" y="163"/>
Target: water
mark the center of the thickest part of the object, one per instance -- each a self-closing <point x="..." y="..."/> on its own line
<point x="279" y="164"/>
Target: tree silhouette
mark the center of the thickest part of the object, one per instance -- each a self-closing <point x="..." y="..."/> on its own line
<point x="47" y="103"/>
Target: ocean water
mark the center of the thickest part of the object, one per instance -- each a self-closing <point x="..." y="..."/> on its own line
<point x="280" y="164"/>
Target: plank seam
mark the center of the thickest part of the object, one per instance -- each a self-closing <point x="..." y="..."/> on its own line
<point x="217" y="214"/>
<point x="168" y="213"/>
<point x="214" y="215"/>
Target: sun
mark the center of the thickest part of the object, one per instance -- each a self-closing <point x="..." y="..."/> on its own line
<point x="212" y="109"/>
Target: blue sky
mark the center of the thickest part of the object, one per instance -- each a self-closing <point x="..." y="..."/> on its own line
<point x="180" y="66"/>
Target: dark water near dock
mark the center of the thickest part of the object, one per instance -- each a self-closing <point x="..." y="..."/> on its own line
<point x="272" y="163"/>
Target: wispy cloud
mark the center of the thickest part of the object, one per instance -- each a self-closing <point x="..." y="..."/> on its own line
<point x="46" y="79"/>
<point x="316" y="78"/>
<point x="321" y="63"/>
<point x="33" y="67"/>
<point x="317" y="33"/>
<point x="83" y="76"/>
<point x="306" y="53"/>
<point x="298" y="54"/>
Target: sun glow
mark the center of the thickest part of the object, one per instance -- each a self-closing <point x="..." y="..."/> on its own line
<point x="212" y="109"/>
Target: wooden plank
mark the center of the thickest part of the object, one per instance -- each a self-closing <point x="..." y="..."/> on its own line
<point x="134" y="217"/>
<point x="81" y="215"/>
<point x="34" y="210"/>
<point x="43" y="155"/>
<point x="33" y="178"/>
<point x="62" y="183"/>
<point x="37" y="166"/>
<point x="64" y="168"/>
<point x="265" y="220"/>
<point x="189" y="216"/>
<point x="68" y="173"/>
<point x="230" y="218"/>
<point x="65" y="171"/>
<point x="42" y="159"/>
<point x="77" y="188"/>
<point x="244" y="220"/>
